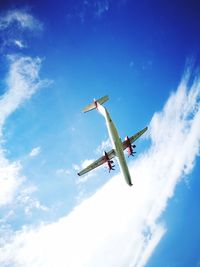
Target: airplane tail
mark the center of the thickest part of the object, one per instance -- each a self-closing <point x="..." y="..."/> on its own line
<point x="94" y="104"/>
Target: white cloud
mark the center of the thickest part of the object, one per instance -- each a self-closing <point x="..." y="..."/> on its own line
<point x="10" y="179"/>
<point x="22" y="18"/>
<point x="120" y="225"/>
<point x="76" y="167"/>
<point x="14" y="24"/>
<point x="22" y="82"/>
<point x="25" y="198"/>
<point x="35" y="152"/>
<point x="86" y="162"/>
<point x="19" y="44"/>
<point x="62" y="171"/>
<point x="104" y="146"/>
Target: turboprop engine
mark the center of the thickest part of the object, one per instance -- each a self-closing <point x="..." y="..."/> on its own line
<point x="130" y="147"/>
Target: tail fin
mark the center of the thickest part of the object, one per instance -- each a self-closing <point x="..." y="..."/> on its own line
<point x="94" y="104"/>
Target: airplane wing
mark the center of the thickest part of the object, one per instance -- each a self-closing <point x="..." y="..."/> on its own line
<point x="134" y="137"/>
<point x="98" y="162"/>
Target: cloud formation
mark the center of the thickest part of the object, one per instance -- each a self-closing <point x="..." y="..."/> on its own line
<point x="101" y="7"/>
<point x="20" y="17"/>
<point x="35" y="152"/>
<point x="119" y="225"/>
<point x="87" y="9"/>
<point x="19" y="44"/>
<point x="14" y="25"/>
<point x="104" y="146"/>
<point x="22" y="82"/>
<point x="9" y="179"/>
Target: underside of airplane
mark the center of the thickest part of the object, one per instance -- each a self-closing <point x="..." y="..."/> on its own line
<point x="118" y="146"/>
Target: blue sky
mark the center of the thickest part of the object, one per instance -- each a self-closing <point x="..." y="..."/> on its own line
<point x="55" y="58"/>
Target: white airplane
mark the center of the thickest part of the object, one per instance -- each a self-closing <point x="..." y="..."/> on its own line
<point x="117" y="144"/>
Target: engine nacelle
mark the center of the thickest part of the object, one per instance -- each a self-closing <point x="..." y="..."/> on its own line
<point x="109" y="162"/>
<point x="130" y="147"/>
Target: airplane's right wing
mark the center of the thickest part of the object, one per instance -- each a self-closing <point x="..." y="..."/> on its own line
<point x="97" y="163"/>
<point x="134" y="138"/>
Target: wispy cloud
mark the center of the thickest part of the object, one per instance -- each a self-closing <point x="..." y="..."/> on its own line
<point x="119" y="225"/>
<point x="22" y="82"/>
<point x="101" y="7"/>
<point x="20" y="17"/>
<point x="63" y="171"/>
<point x="87" y="9"/>
<point x="25" y="198"/>
<point x="10" y="179"/>
<point x="14" y="24"/>
<point x="19" y="44"/>
<point x="35" y="152"/>
<point x="104" y="146"/>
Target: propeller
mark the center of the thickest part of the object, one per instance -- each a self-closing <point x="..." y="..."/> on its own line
<point x="131" y="152"/>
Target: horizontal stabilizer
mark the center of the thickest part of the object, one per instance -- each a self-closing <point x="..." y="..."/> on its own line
<point x="93" y="105"/>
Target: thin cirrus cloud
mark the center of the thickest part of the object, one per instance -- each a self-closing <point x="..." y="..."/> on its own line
<point x="22" y="18"/>
<point x="14" y="24"/>
<point x="22" y="81"/>
<point x="95" y="9"/>
<point x="101" y="7"/>
<point x="118" y="225"/>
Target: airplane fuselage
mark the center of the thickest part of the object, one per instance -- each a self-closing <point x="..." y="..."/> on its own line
<point x="117" y="144"/>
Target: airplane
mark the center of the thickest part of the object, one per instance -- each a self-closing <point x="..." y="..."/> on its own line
<point x="117" y="144"/>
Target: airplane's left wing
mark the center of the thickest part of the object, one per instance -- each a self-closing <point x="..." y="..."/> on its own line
<point x="98" y="162"/>
<point x="134" y="138"/>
